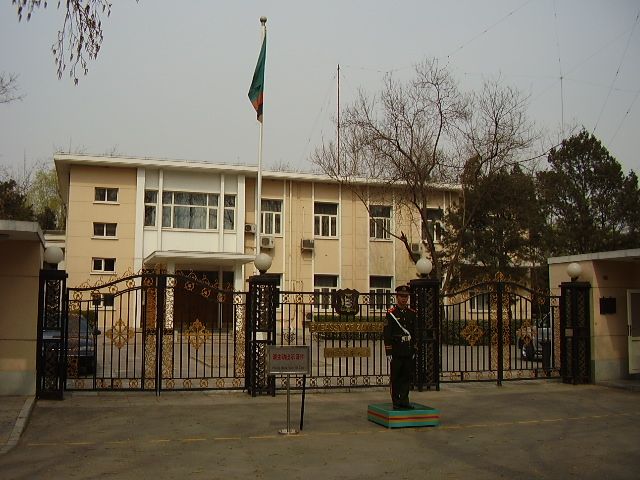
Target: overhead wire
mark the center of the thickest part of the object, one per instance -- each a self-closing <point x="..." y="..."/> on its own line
<point x="555" y="15"/>
<point x="615" y="77"/>
<point x="625" y="117"/>
<point x="490" y="27"/>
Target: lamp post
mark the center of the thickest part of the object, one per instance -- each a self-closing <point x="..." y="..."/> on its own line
<point x="575" y="327"/>
<point x="425" y="300"/>
<point x="574" y="270"/>
<point x="424" y="267"/>
<point x="262" y="262"/>
<point x="262" y="303"/>
<point x="53" y="256"/>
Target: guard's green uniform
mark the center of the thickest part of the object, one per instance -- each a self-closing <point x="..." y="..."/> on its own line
<point x="401" y="350"/>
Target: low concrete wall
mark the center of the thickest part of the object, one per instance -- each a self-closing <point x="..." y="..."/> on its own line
<point x="21" y="261"/>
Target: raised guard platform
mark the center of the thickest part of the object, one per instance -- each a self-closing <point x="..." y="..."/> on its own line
<point x="421" y="416"/>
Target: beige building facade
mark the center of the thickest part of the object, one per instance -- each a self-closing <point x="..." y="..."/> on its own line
<point x="125" y="214"/>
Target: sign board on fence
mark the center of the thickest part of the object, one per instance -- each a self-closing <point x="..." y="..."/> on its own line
<point x="288" y="359"/>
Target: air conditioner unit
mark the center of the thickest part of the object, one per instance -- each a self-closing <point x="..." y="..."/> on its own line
<point x="415" y="248"/>
<point x="250" y="228"/>
<point x="267" y="242"/>
<point x="307" y="244"/>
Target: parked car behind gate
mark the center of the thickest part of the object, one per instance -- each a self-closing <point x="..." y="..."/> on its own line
<point x="81" y="343"/>
<point x="531" y="339"/>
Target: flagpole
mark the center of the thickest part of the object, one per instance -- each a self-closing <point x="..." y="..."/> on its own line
<point x="263" y="22"/>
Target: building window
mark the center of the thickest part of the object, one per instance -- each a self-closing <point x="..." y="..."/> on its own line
<point x="433" y="225"/>
<point x="380" y="222"/>
<point x="380" y="292"/>
<point x="271" y="217"/>
<point x="107" y="301"/>
<point x="229" y="212"/>
<point x="325" y="219"/>
<point x="103" y="265"/>
<point x="104" y="229"/>
<point x="323" y="286"/>
<point x="479" y="301"/>
<point x="150" y="205"/>
<point x="103" y="194"/>
<point x="194" y="211"/>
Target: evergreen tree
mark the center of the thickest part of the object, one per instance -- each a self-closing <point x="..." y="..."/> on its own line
<point x="589" y="204"/>
<point x="13" y="204"/>
<point x="504" y="233"/>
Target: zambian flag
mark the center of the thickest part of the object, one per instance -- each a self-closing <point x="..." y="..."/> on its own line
<point x="256" y="91"/>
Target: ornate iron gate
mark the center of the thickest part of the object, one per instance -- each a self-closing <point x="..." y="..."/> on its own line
<point x="499" y="330"/>
<point x="154" y="331"/>
<point x="158" y="331"/>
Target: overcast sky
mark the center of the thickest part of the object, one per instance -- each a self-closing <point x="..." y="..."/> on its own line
<point x="172" y="77"/>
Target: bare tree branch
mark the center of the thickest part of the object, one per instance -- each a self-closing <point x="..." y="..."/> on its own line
<point x="9" y="88"/>
<point x="414" y="134"/>
<point x="81" y="35"/>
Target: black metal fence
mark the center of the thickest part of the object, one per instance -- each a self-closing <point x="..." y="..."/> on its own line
<point x="159" y="331"/>
<point x="347" y="349"/>
<point x="499" y="331"/>
<point x="154" y="332"/>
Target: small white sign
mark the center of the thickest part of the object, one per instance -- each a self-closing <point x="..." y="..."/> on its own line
<point x="288" y="359"/>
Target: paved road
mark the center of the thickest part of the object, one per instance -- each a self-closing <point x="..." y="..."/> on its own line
<point x="521" y="430"/>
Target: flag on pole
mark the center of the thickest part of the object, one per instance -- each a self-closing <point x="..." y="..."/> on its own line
<point x="256" y="91"/>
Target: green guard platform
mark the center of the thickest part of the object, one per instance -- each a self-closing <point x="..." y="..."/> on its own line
<point x="420" y="416"/>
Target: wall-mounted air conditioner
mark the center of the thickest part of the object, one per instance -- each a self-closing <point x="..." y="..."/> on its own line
<point x="250" y="228"/>
<point x="415" y="248"/>
<point x="267" y="242"/>
<point x="307" y="244"/>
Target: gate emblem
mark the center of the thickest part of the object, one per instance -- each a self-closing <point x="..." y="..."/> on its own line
<point x="197" y="334"/>
<point x="345" y="302"/>
<point x="120" y="334"/>
<point x="472" y="333"/>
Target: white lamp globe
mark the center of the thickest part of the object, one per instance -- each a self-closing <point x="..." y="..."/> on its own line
<point x="53" y="255"/>
<point x="424" y="266"/>
<point x="574" y="270"/>
<point x="262" y="262"/>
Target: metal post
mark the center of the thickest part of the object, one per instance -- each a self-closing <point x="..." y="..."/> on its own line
<point x="575" y="332"/>
<point x="51" y="335"/>
<point x="499" y="296"/>
<point x="425" y="300"/>
<point x="263" y="301"/>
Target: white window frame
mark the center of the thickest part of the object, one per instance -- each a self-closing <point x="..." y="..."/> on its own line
<point x="376" y="292"/>
<point x="319" y="225"/>
<point x="271" y="223"/>
<point x="435" y="226"/>
<point x="481" y="300"/>
<point x="102" y="266"/>
<point x="379" y="226"/>
<point x="106" y="195"/>
<point x="152" y="206"/>
<point x="324" y="292"/>
<point x="210" y="210"/>
<point x="229" y="212"/>
<point x="105" y="226"/>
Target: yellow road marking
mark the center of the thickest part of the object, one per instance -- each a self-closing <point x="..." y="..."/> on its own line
<point x="333" y="434"/>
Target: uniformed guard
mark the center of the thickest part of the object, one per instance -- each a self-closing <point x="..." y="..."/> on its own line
<point x="399" y="344"/>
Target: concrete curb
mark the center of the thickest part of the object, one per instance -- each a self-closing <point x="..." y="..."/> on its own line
<point x="21" y="423"/>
